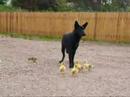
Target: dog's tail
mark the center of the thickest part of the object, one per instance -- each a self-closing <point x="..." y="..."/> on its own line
<point x="63" y="53"/>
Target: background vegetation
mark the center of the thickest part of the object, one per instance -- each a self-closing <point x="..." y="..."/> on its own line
<point x="65" y="5"/>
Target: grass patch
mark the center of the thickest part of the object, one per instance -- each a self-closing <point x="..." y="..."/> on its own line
<point x="102" y="42"/>
<point x="56" y="38"/>
<point x="30" y="37"/>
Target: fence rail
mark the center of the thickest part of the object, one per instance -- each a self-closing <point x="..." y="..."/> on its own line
<point x="102" y="26"/>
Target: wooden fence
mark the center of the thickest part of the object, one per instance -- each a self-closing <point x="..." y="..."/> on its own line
<point x="102" y="26"/>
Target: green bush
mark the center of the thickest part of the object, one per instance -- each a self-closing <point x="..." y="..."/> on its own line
<point x="3" y="1"/>
<point x="4" y="8"/>
<point x="34" y="5"/>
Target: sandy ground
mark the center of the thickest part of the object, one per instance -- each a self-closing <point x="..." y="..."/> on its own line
<point x="18" y="77"/>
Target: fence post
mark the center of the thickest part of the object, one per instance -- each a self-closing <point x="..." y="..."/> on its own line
<point x="95" y="27"/>
<point x="117" y="30"/>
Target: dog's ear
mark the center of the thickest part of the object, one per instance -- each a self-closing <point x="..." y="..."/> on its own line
<point x="76" y="25"/>
<point x="85" y="25"/>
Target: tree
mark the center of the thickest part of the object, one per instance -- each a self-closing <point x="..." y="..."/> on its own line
<point x="25" y="4"/>
<point x="34" y="5"/>
<point x="3" y="1"/>
<point x="72" y="5"/>
<point x="63" y="5"/>
<point x="121" y="4"/>
<point x="86" y="5"/>
<point x="95" y="4"/>
<point x="47" y="4"/>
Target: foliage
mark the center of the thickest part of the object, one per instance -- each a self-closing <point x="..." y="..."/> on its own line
<point x="8" y="8"/>
<point x="101" y="5"/>
<point x="3" y="1"/>
<point x="25" y="4"/>
<point x="62" y="6"/>
<point x="34" y="5"/>
<point x="71" y="5"/>
<point x="39" y="5"/>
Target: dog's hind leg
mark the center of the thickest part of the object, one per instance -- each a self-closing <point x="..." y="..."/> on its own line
<point x="63" y="53"/>
<point x="71" y="63"/>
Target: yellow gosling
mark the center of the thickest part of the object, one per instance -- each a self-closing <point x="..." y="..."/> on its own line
<point x="78" y="66"/>
<point x="74" y="71"/>
<point x="62" y="68"/>
<point x="87" y="67"/>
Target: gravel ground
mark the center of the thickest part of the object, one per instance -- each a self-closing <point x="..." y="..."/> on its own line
<point x="18" y="77"/>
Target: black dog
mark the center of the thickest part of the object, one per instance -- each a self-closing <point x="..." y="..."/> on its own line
<point x="70" y="42"/>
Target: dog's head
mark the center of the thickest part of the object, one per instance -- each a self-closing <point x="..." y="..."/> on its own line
<point x="79" y="30"/>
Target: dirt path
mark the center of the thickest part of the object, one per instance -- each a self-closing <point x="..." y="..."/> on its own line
<point x="18" y="77"/>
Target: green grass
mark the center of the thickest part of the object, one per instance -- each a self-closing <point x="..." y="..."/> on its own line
<point x="102" y="42"/>
<point x="30" y="37"/>
<point x="106" y="41"/>
<point x="55" y="38"/>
